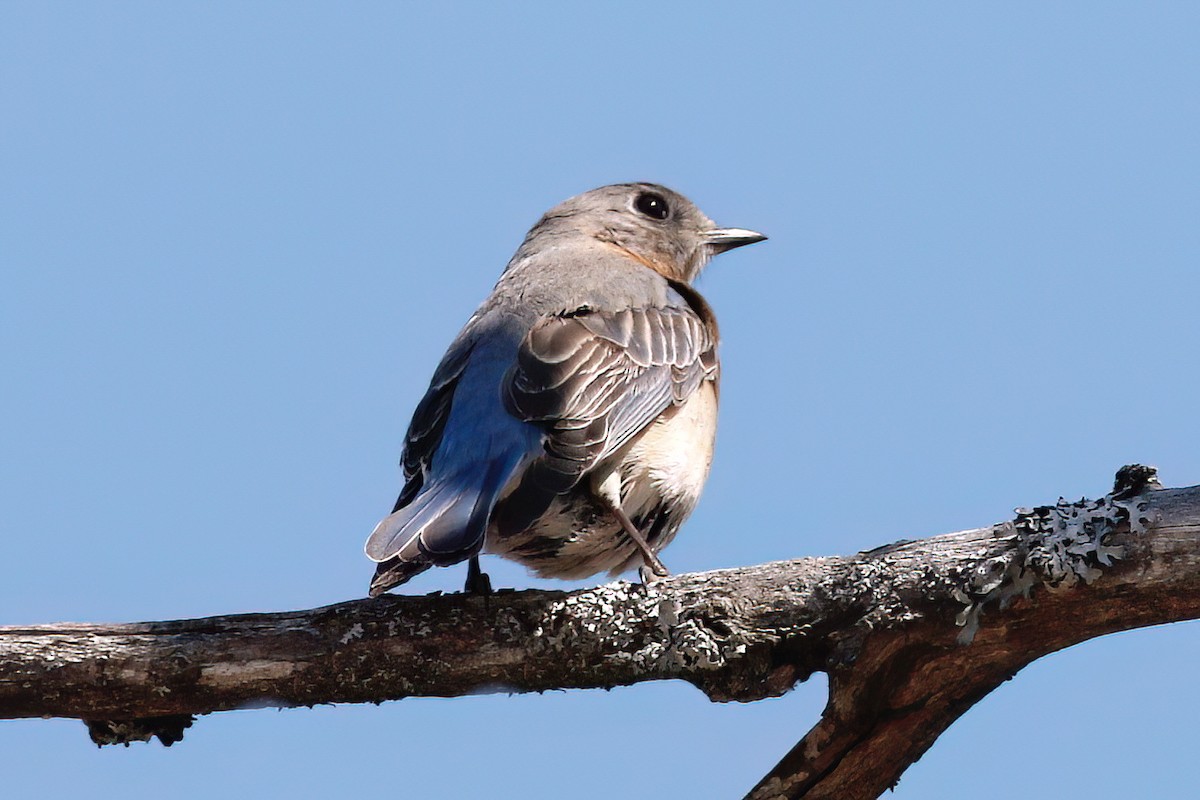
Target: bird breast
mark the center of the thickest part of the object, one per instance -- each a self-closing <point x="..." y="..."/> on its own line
<point x="670" y="461"/>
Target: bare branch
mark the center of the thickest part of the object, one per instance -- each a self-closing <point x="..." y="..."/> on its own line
<point x="911" y="634"/>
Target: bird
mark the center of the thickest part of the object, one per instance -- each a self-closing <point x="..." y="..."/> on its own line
<point x="570" y="425"/>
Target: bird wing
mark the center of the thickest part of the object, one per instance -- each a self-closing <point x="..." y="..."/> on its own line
<point x="593" y="380"/>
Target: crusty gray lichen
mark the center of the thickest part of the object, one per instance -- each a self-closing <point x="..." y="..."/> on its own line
<point x="612" y="612"/>
<point x="1057" y="547"/>
<point x="1066" y="541"/>
<point x="873" y="584"/>
<point x="637" y="624"/>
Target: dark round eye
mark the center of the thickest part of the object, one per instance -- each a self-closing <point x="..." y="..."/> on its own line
<point x="652" y="205"/>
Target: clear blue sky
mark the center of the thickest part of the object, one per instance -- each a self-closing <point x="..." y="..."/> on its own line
<point x="235" y="239"/>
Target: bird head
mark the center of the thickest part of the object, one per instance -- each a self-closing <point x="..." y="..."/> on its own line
<point x="658" y="227"/>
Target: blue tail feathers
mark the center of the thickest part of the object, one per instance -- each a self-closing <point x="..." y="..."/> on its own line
<point x="446" y="522"/>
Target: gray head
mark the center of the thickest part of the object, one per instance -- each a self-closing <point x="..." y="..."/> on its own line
<point x="650" y="223"/>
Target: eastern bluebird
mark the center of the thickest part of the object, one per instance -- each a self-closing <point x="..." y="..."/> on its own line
<point x="570" y="425"/>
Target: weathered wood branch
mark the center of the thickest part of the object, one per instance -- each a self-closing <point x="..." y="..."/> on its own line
<point x="911" y="635"/>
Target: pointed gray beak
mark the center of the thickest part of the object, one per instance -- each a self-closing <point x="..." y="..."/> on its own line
<point x="720" y="240"/>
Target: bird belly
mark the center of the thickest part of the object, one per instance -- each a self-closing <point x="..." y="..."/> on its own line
<point x="661" y="474"/>
<point x="670" y="461"/>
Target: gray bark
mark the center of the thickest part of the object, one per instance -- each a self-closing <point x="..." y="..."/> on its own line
<point x="911" y="635"/>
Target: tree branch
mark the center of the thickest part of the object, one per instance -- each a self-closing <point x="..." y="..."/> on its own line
<point x="912" y="635"/>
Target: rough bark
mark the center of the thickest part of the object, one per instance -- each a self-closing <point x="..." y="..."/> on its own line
<point x="911" y="635"/>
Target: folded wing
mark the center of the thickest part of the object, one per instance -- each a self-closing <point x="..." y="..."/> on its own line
<point x="593" y="381"/>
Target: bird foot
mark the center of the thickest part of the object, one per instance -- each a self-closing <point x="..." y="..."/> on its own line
<point x="478" y="581"/>
<point x="650" y="575"/>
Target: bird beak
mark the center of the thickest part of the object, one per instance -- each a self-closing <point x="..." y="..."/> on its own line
<point x="720" y="240"/>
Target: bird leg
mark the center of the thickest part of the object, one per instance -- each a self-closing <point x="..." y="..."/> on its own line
<point x="478" y="581"/>
<point x="652" y="563"/>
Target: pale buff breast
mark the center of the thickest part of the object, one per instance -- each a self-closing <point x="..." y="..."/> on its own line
<point x="670" y="461"/>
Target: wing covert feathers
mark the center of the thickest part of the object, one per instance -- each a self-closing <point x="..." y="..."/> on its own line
<point x="593" y="381"/>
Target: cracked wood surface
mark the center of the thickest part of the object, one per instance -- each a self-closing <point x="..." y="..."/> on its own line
<point x="911" y="634"/>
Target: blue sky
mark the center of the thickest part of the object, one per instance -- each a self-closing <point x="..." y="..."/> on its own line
<point x="236" y="238"/>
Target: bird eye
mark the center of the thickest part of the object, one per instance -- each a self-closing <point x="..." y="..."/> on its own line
<point x="652" y="205"/>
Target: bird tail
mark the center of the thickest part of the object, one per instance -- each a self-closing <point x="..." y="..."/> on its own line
<point x="393" y="572"/>
<point x="444" y="524"/>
